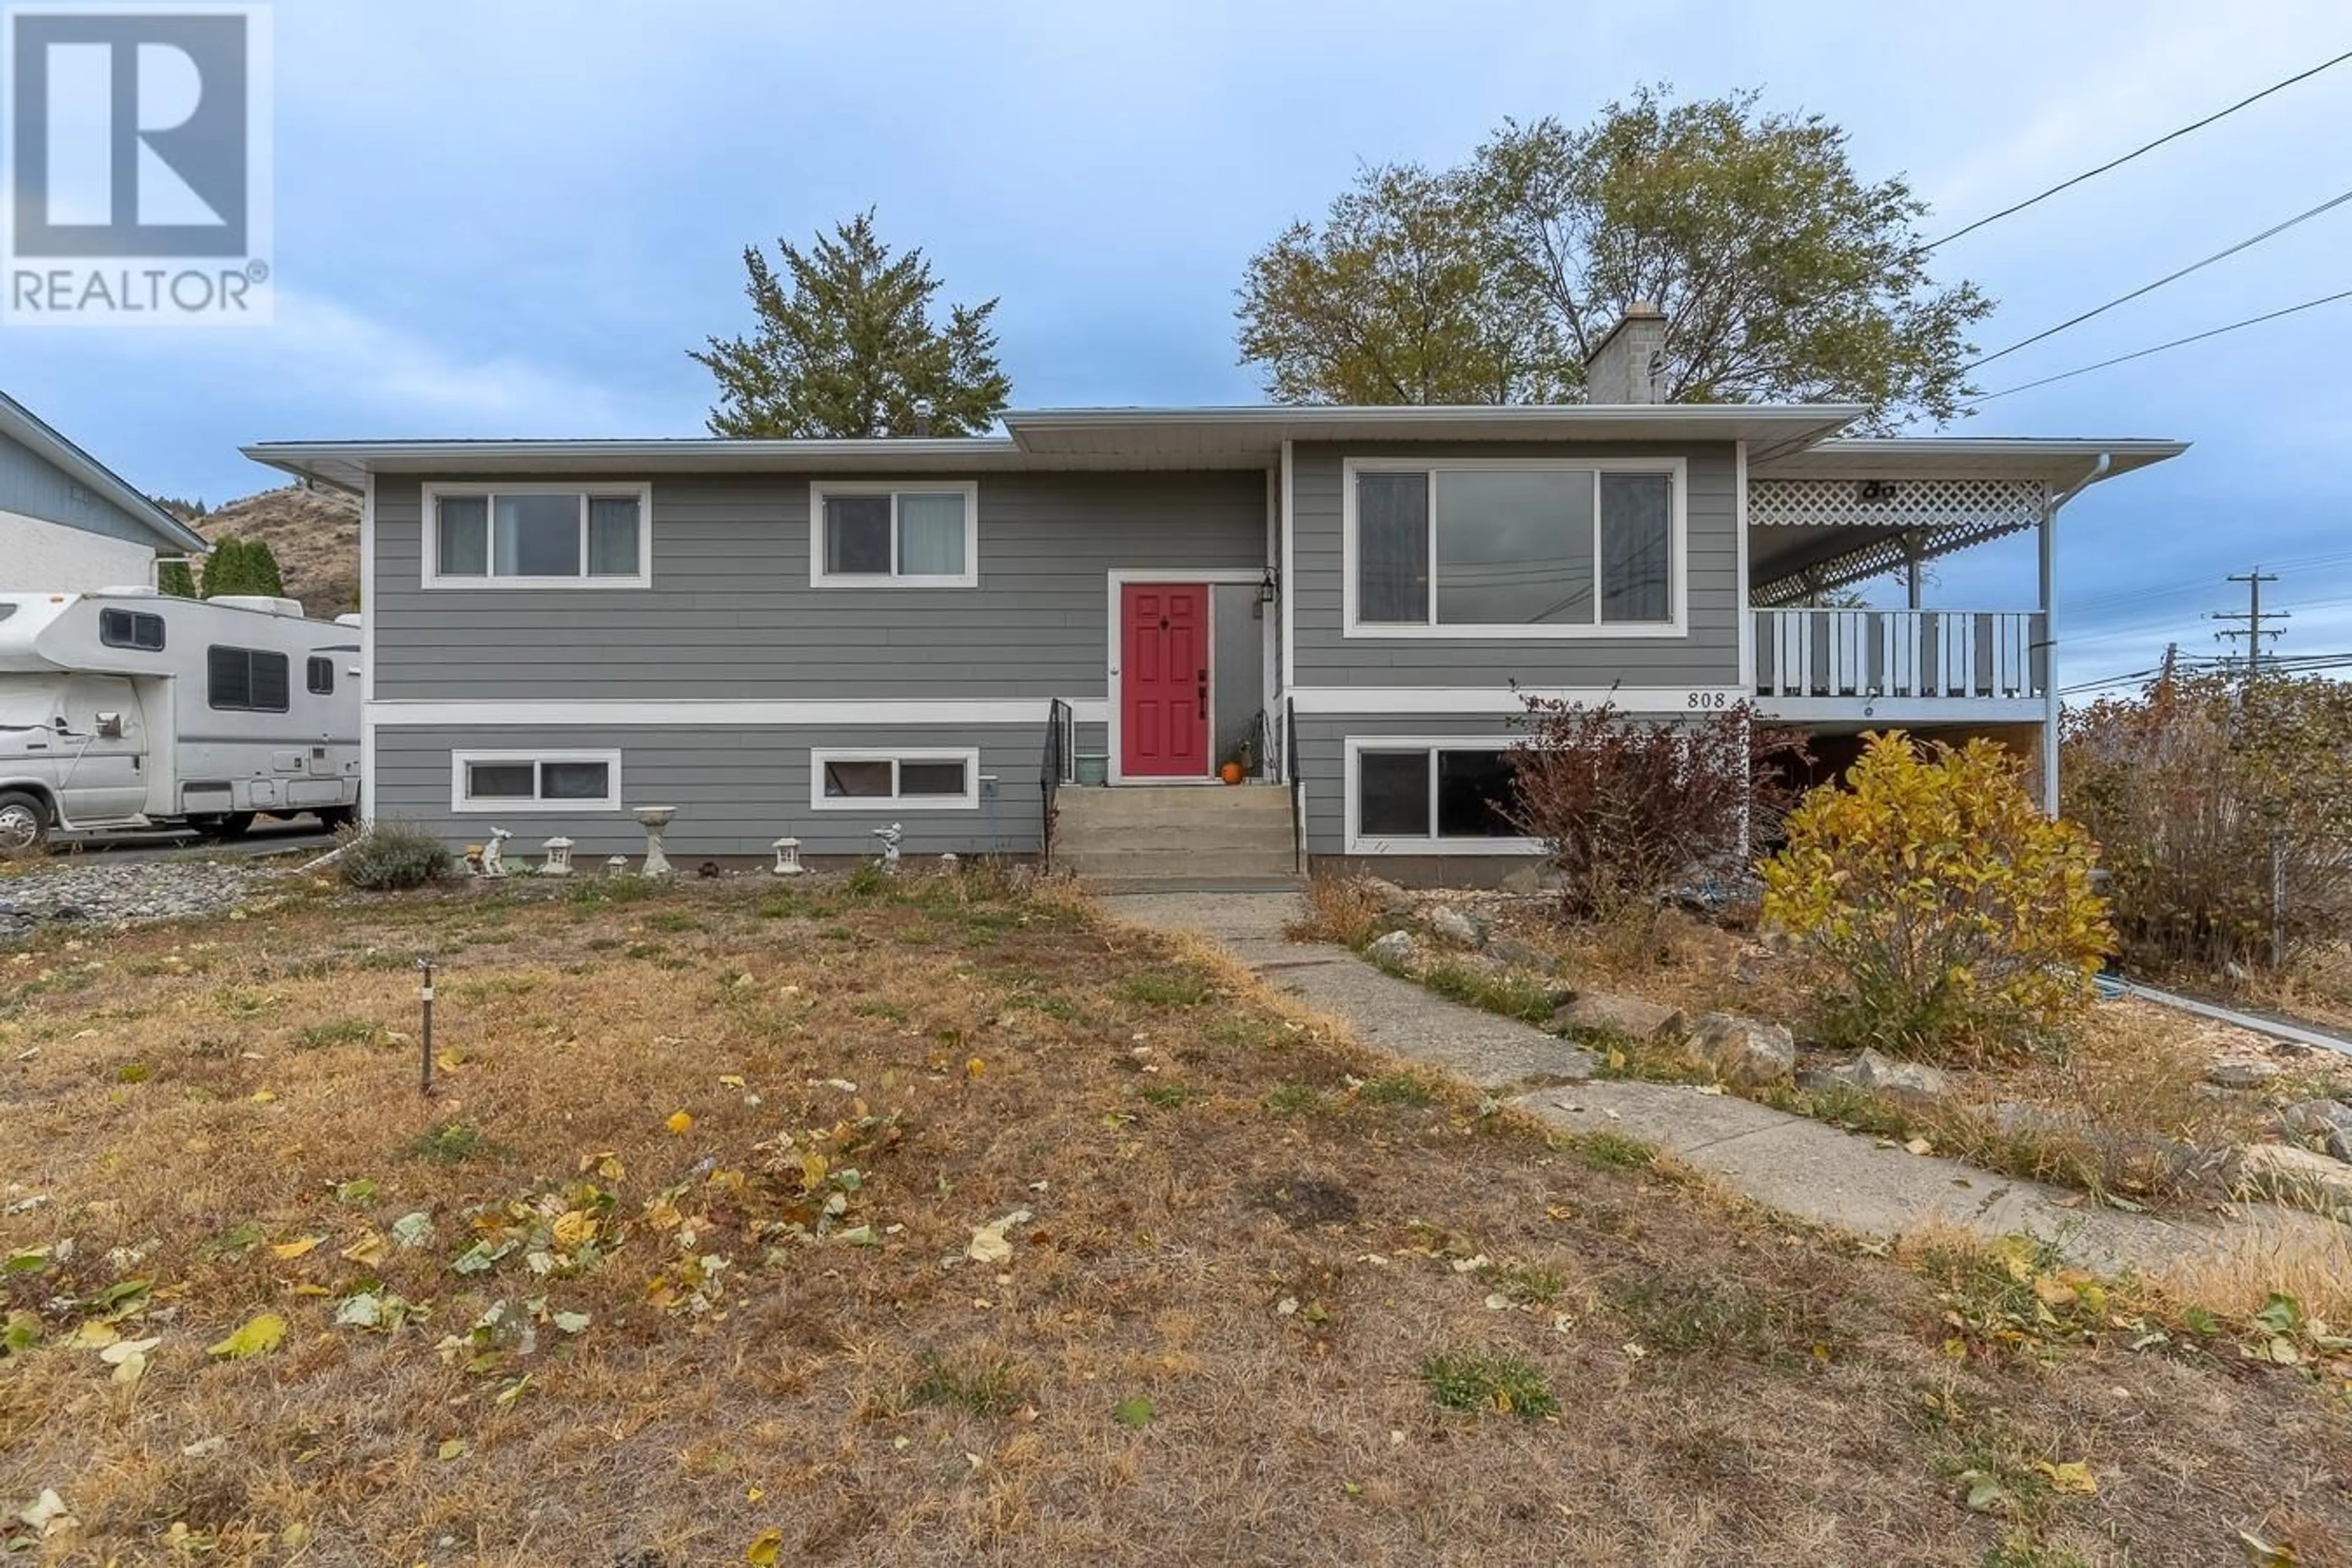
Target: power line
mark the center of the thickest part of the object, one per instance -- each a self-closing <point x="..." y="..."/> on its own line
<point x="2169" y="278"/>
<point x="2149" y="147"/>
<point x="2160" y="348"/>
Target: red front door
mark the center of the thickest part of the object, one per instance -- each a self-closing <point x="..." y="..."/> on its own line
<point x="1163" y="681"/>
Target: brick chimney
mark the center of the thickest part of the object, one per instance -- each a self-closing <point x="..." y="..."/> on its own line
<point x="1630" y="361"/>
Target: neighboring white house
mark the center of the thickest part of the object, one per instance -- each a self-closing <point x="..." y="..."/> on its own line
<point x="68" y="524"/>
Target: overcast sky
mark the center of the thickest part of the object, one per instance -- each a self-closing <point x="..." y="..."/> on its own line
<point x="513" y="219"/>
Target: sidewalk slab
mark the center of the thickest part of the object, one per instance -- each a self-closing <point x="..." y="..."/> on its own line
<point x="1804" y="1168"/>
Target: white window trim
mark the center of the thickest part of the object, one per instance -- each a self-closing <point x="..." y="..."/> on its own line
<point x="821" y="578"/>
<point x="894" y="756"/>
<point x="1678" y="625"/>
<point x="1355" y="843"/>
<point x="461" y="803"/>
<point x="642" y="493"/>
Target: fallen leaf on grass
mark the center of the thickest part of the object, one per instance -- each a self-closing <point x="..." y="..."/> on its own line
<point x="295" y="1248"/>
<point x="2073" y="1477"/>
<point x="413" y="1229"/>
<point x="259" y="1335"/>
<point x="367" y="1251"/>
<point x="455" y="1449"/>
<point x="680" y="1123"/>
<point x="766" y="1549"/>
<point x="1919" y="1146"/>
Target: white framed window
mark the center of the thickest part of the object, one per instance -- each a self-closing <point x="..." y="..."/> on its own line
<point x="925" y="779"/>
<point x="534" y="781"/>
<point x="1441" y="795"/>
<point x="538" y="536"/>
<point x="899" y="533"/>
<point x="1519" y="548"/>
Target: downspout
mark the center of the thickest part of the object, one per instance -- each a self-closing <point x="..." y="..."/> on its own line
<point x="2100" y="469"/>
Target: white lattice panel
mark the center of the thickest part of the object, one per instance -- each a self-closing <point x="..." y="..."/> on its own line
<point x="1999" y="505"/>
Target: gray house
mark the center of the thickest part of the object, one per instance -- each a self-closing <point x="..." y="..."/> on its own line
<point x="1082" y="620"/>
<point x="69" y="524"/>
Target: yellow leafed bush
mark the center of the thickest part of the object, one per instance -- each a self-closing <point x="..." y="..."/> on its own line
<point x="1938" y="912"/>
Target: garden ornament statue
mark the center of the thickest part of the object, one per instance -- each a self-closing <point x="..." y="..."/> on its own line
<point x="559" y="858"/>
<point x="889" y="837"/>
<point x="788" y="857"/>
<point x="493" y="853"/>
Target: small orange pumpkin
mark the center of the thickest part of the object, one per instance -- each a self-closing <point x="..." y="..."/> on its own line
<point x="1230" y="772"/>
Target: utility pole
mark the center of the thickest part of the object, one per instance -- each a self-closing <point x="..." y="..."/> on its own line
<point x="2254" y="631"/>
<point x="2254" y="615"/>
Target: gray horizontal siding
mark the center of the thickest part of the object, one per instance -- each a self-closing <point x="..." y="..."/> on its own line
<point x="1708" y="656"/>
<point x="737" y="788"/>
<point x="731" y="615"/>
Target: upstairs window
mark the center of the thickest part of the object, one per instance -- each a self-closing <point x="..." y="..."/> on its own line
<point x="900" y="535"/>
<point x="245" y="680"/>
<point x="497" y="537"/>
<point x="130" y="629"/>
<point x="1513" y="548"/>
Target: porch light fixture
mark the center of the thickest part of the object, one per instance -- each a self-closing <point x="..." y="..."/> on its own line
<point x="1269" y="591"/>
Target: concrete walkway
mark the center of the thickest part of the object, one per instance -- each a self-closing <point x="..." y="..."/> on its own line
<point x="1800" y="1166"/>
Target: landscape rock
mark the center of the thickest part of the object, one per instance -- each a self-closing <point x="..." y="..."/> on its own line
<point x="1902" y="1080"/>
<point x="1521" y="955"/>
<point x="1814" y="1080"/>
<point x="1391" y="898"/>
<point x="1397" y="948"/>
<point x="1746" y="1051"/>
<point x="1455" y="926"/>
<point x="1524" y="880"/>
<point x="2326" y="1122"/>
<point x="2240" y="1074"/>
<point x="1628" y="1017"/>
<point x="2284" y="1171"/>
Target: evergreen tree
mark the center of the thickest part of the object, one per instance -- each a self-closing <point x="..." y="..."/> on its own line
<point x="261" y="566"/>
<point x="176" y="579"/>
<point x="225" y="569"/>
<point x="845" y="346"/>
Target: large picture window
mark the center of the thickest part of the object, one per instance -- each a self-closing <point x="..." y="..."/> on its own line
<point x="1429" y="797"/>
<point x="1513" y="548"/>
<point x="533" y="538"/>
<point x="904" y="535"/>
<point x="535" y="781"/>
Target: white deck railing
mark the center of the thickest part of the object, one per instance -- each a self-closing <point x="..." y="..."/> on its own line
<point x="1901" y="653"/>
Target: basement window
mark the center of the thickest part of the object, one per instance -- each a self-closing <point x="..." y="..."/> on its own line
<point x="1431" y="797"/>
<point x="535" y="781"/>
<point x="933" y="780"/>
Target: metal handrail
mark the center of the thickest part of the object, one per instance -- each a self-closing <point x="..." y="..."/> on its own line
<point x="1290" y="776"/>
<point x="1055" y="769"/>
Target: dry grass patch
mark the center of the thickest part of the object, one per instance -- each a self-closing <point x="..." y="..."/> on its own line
<point x="935" y="1223"/>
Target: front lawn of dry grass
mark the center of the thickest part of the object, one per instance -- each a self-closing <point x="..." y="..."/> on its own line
<point x="695" y="1276"/>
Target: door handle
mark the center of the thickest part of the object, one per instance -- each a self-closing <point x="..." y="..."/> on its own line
<point x="1204" y="694"/>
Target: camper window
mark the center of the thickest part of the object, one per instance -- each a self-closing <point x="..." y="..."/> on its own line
<point x="130" y="629"/>
<point x="321" y="677"/>
<point x="245" y="680"/>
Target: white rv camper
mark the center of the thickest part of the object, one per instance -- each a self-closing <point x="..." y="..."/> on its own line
<point x="129" y="708"/>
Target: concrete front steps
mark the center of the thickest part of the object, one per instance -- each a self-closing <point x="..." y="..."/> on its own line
<point x="1139" y="837"/>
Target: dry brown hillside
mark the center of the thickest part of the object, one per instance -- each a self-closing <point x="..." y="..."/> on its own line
<point x="314" y="533"/>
